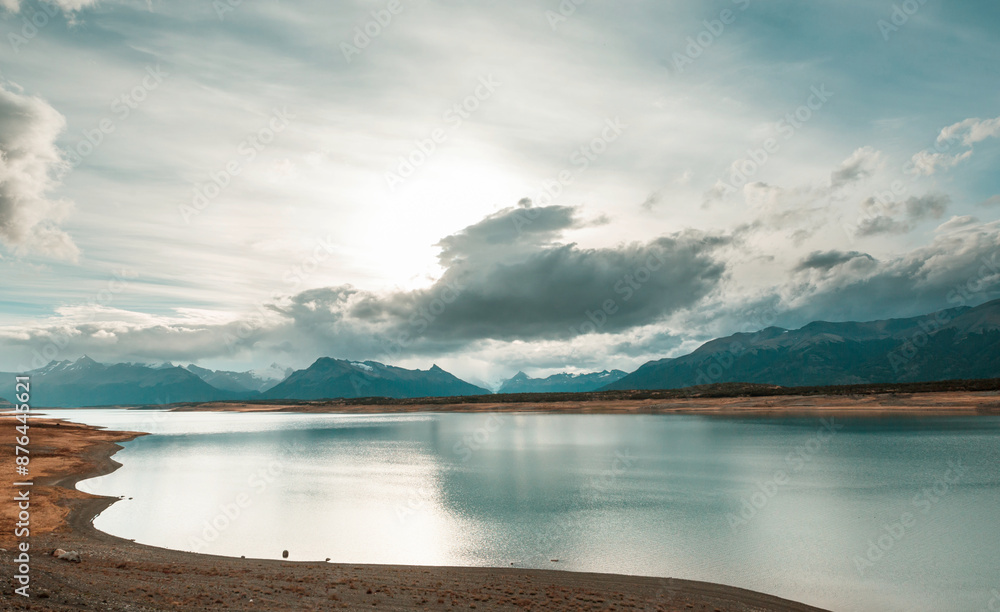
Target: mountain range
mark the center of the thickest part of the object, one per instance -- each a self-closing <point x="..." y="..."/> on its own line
<point x="560" y="383"/>
<point x="85" y="382"/>
<point x="331" y="378"/>
<point x="254" y="380"/>
<point x="958" y="343"/>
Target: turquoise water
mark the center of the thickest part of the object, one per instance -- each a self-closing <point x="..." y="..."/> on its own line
<point x="848" y="515"/>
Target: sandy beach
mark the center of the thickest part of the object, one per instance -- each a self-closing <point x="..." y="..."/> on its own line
<point x="118" y="574"/>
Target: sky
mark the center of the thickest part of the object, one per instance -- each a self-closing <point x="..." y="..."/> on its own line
<point x="488" y="186"/>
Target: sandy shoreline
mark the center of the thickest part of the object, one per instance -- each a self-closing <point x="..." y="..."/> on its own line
<point x="118" y="574"/>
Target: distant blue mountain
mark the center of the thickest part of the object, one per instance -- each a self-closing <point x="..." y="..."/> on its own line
<point x="85" y="382"/>
<point x="244" y="382"/>
<point x="560" y="383"/>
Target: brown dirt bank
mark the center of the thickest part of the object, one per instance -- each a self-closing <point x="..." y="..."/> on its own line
<point x="118" y="574"/>
<point x="948" y="403"/>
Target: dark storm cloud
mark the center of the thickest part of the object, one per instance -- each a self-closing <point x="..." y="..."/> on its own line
<point x="825" y="260"/>
<point x="507" y="278"/>
<point x="509" y="230"/>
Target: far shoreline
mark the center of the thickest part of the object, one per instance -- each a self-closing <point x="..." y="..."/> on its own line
<point x="878" y="405"/>
<point x="942" y="398"/>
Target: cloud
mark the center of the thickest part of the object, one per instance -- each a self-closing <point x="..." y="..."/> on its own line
<point x="881" y="224"/>
<point x="991" y="201"/>
<point x="67" y="6"/>
<point x="509" y="278"/>
<point x="112" y="334"/>
<point x="777" y="207"/>
<point x="827" y="260"/>
<point x="971" y="131"/>
<point x="506" y="232"/>
<point x="29" y="163"/>
<point x="967" y="133"/>
<point x="862" y="164"/>
<point x="956" y="222"/>
<point x="652" y="200"/>
<point x="900" y="217"/>
<point x="512" y="311"/>
<point x="960" y="267"/>
<point x="505" y="283"/>
<point x="929" y="162"/>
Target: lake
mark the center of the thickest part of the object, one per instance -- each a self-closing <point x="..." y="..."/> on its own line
<point x="861" y="514"/>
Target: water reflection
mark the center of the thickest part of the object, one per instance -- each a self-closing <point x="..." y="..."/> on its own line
<point x="773" y="505"/>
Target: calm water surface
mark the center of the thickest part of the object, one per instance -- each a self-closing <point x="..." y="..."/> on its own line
<point x="851" y="515"/>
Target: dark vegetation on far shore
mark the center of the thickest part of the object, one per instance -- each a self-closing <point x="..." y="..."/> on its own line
<point x="717" y="390"/>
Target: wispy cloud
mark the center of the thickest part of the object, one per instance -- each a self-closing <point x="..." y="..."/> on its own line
<point x="965" y="134"/>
